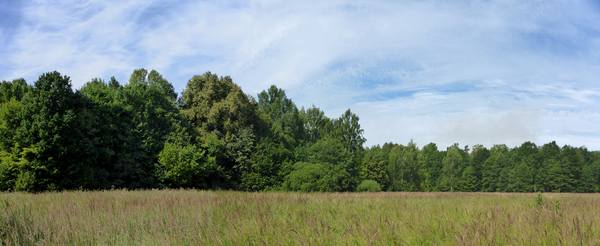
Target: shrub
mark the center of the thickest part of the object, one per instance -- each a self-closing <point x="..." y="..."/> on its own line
<point x="320" y="177"/>
<point x="369" y="186"/>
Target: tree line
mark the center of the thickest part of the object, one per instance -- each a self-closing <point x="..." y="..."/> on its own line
<point x="142" y="134"/>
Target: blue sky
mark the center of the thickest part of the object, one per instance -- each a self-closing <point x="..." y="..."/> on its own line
<point x="472" y="72"/>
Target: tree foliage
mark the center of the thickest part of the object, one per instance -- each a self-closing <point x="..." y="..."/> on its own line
<point x="215" y="106"/>
<point x="53" y="145"/>
<point x="214" y="136"/>
<point x="369" y="186"/>
<point x="321" y="177"/>
<point x="453" y="164"/>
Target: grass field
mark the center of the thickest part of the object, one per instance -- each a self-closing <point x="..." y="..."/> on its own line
<point x="191" y="217"/>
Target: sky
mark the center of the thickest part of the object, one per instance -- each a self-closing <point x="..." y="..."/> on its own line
<point x="442" y="71"/>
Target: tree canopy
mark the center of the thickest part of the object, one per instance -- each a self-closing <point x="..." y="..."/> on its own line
<point x="142" y="134"/>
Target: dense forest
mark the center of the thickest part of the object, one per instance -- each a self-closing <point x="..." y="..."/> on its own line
<point x="142" y="134"/>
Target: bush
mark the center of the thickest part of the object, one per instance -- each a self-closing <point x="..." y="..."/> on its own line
<point x="369" y="186"/>
<point x="185" y="167"/>
<point x="320" y="177"/>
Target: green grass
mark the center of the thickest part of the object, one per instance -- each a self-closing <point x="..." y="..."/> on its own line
<point x="191" y="217"/>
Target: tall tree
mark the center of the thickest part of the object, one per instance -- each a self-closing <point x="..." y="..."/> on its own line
<point x="557" y="177"/>
<point x="572" y="162"/>
<point x="328" y="150"/>
<point x="591" y="177"/>
<point x="348" y="129"/>
<point x="547" y="154"/>
<point x="431" y="160"/>
<point x="526" y="150"/>
<point x="13" y="90"/>
<point x="396" y="169"/>
<point x="469" y="179"/>
<point x="373" y="168"/>
<point x="9" y="153"/>
<point x="406" y="168"/>
<point x="53" y="141"/>
<point x="479" y="155"/>
<point x="285" y="118"/>
<point x="215" y="106"/>
<point x="315" y="123"/>
<point x="521" y="177"/>
<point x="550" y="150"/>
<point x="452" y="169"/>
<point x="135" y="121"/>
<point x="152" y="79"/>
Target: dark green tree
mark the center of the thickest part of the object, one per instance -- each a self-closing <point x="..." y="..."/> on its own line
<point x="591" y="177"/>
<point x="322" y="177"/>
<point x="53" y="144"/>
<point x="547" y="154"/>
<point x="135" y="121"/>
<point x="271" y="162"/>
<point x="557" y="176"/>
<point x="453" y="165"/>
<point x="527" y="150"/>
<point x="572" y="162"/>
<point x="550" y="151"/>
<point x="469" y="179"/>
<point x="430" y="159"/>
<point x="521" y="178"/>
<point x="479" y="155"/>
<point x="499" y="159"/>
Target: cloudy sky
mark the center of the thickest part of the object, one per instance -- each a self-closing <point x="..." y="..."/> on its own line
<point x="442" y="71"/>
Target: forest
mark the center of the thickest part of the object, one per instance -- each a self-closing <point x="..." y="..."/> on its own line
<point x="144" y="135"/>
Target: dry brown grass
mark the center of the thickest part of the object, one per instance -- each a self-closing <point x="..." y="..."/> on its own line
<point x="190" y="217"/>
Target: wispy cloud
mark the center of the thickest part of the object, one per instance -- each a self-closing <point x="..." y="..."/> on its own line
<point x="436" y="71"/>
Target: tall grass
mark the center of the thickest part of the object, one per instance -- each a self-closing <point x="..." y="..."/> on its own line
<point x="191" y="217"/>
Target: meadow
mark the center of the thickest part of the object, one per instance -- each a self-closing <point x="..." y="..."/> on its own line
<point x="195" y="217"/>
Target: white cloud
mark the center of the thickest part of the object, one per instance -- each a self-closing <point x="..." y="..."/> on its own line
<point x="443" y="71"/>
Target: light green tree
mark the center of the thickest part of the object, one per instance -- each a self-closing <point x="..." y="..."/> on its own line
<point x="452" y="169"/>
<point x="286" y="122"/>
<point x="349" y="131"/>
<point x="405" y="167"/>
<point x="373" y="168"/>
<point x="218" y="109"/>
<point x="315" y="123"/>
